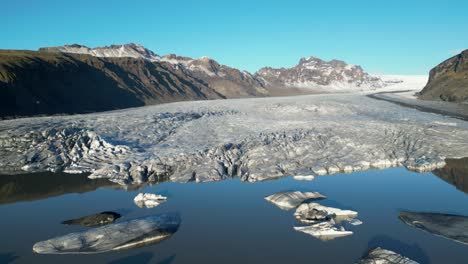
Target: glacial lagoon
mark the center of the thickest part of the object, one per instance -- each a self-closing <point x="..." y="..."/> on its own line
<point x="230" y="221"/>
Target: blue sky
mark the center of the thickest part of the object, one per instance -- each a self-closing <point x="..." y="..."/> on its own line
<point x="393" y="36"/>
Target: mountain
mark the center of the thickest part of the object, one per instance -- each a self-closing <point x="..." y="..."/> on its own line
<point x="448" y="81"/>
<point x="131" y="50"/>
<point x="78" y="79"/>
<point x="313" y="74"/>
<point x="230" y="82"/>
<point x="34" y="83"/>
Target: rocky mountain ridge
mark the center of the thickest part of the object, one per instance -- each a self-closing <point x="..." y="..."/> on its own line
<point x="448" y="81"/>
<point x="314" y="73"/>
<point x="78" y="79"/>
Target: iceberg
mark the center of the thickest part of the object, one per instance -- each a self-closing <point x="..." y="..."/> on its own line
<point x="124" y="235"/>
<point x="384" y="256"/>
<point x="291" y="199"/>
<point x="453" y="227"/>
<point x="149" y="200"/>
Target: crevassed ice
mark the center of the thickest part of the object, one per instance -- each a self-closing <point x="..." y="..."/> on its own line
<point x="253" y="139"/>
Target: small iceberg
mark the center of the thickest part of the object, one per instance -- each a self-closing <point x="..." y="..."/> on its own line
<point x="291" y="199"/>
<point x="323" y="220"/>
<point x="384" y="256"/>
<point x="149" y="200"/>
<point x="310" y="213"/>
<point x="324" y="230"/>
<point x="453" y="227"/>
<point x="124" y="235"/>
<point x="304" y="177"/>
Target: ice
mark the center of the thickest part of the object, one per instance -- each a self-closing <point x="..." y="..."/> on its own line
<point x="252" y="139"/>
<point x="384" y="256"/>
<point x="119" y="236"/>
<point x="453" y="227"/>
<point x="324" y="230"/>
<point x="313" y="212"/>
<point x="149" y="200"/>
<point x="291" y="199"/>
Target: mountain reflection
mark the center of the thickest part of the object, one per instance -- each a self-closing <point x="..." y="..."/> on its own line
<point x="37" y="186"/>
<point x="455" y="173"/>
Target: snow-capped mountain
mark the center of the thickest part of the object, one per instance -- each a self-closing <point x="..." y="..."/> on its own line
<point x="131" y="50"/>
<point x="314" y="73"/>
<point x="226" y="80"/>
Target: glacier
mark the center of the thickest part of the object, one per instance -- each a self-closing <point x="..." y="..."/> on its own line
<point x="253" y="139"/>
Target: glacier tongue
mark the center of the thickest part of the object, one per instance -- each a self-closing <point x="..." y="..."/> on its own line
<point x="254" y="139"/>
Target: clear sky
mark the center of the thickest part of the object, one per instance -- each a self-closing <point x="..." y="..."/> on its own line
<point x="392" y="36"/>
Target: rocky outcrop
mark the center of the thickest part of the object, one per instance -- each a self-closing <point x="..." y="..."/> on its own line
<point x="93" y="220"/>
<point x="315" y="75"/>
<point x="124" y="235"/>
<point x="448" y="81"/>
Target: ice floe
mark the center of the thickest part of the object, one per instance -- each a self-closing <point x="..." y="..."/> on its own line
<point x="453" y="227"/>
<point x="314" y="212"/>
<point x="291" y="199"/>
<point x="384" y="256"/>
<point x="324" y="230"/>
<point x="149" y="200"/>
<point x="124" y="235"/>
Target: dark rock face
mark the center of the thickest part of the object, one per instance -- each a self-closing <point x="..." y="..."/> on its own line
<point x="35" y="83"/>
<point x="448" y="81"/>
<point x="93" y="220"/>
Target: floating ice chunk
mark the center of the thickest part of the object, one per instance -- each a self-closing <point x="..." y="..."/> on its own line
<point x="324" y="230"/>
<point x="304" y="177"/>
<point x="453" y="227"/>
<point x="149" y="200"/>
<point x="125" y="235"/>
<point x="291" y="199"/>
<point x="384" y="256"/>
<point x="314" y="212"/>
<point x="354" y="221"/>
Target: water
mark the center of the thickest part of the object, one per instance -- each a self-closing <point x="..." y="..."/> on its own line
<point x="230" y="222"/>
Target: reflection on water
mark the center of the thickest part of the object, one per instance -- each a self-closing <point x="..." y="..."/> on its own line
<point x="231" y="222"/>
<point x="36" y="186"/>
<point x="455" y="173"/>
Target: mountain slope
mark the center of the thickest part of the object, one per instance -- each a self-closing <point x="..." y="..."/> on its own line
<point x="78" y="79"/>
<point x="448" y="81"/>
<point x="33" y="83"/>
<point x="228" y="81"/>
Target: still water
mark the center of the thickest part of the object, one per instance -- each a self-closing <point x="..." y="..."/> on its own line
<point x="231" y="222"/>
